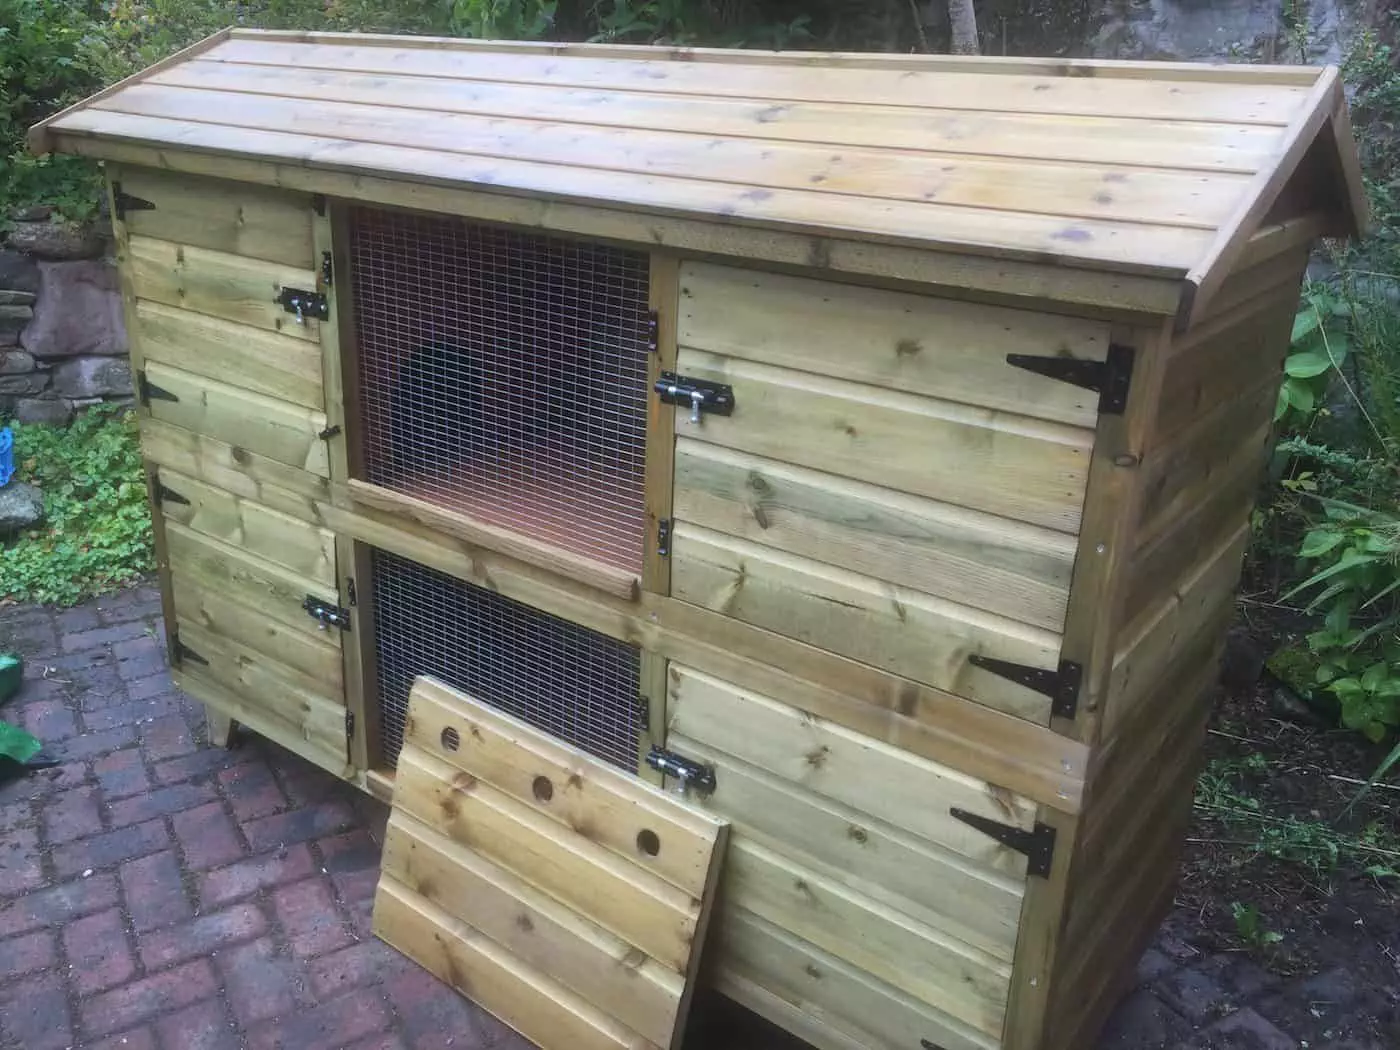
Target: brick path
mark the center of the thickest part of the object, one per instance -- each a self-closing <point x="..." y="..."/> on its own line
<point x="159" y="893"/>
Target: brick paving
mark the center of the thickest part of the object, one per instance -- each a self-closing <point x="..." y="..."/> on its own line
<point x="157" y="893"/>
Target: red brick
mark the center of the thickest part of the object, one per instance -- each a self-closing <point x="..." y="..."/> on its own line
<point x="204" y="1026"/>
<point x="261" y="984"/>
<point x="50" y="720"/>
<point x="308" y="913"/>
<point x="159" y="803"/>
<point x="61" y="778"/>
<point x="74" y="641"/>
<point x="113" y="847"/>
<point x="168" y="737"/>
<point x="131" y="712"/>
<point x="434" y="1015"/>
<point x="121" y="773"/>
<point x="330" y="1026"/>
<point x="26" y="953"/>
<point x="98" y="952"/>
<point x="90" y="744"/>
<point x="136" y="1039"/>
<point x="71" y="815"/>
<point x="16" y="814"/>
<point x="384" y="1041"/>
<point x="203" y="936"/>
<point x="352" y="860"/>
<point x="150" y="686"/>
<point x="200" y="765"/>
<point x="364" y="962"/>
<point x="57" y="906"/>
<point x="249" y="876"/>
<point x="252" y="791"/>
<point x="299" y="825"/>
<point x="155" y="893"/>
<point x="207" y="837"/>
<point x="141" y="1000"/>
<point x="20" y="868"/>
<point x="34" y="1013"/>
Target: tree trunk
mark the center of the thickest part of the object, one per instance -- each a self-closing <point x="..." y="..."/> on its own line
<point x="963" y="18"/>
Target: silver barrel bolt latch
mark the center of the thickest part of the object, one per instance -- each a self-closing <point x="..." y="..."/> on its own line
<point x="700" y="395"/>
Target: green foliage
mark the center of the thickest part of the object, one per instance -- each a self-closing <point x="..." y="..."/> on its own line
<point x="1250" y="928"/>
<point x="1317" y="350"/>
<point x="97" y="530"/>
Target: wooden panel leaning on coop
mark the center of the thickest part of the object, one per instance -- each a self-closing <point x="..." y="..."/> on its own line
<point x="862" y="445"/>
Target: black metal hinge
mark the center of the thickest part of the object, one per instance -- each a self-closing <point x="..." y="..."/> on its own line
<point x="329" y="615"/>
<point x="349" y="725"/>
<point x="327" y="269"/>
<point x="663" y="537"/>
<point x="1038" y="844"/>
<point x="688" y="772"/>
<point x="350" y="591"/>
<point x="304" y="304"/>
<point x="165" y="494"/>
<point x="123" y="202"/>
<point x="183" y="652"/>
<point x="652" y="328"/>
<point x="330" y="432"/>
<point x="699" y="395"/>
<point x="148" y="391"/>
<point x="1060" y="685"/>
<point x="1110" y="377"/>
<point x="644" y="714"/>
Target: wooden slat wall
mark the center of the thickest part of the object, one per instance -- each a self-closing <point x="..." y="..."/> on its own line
<point x="1201" y="467"/>
<point x="845" y="861"/>
<point x="237" y="439"/>
<point x="888" y="486"/>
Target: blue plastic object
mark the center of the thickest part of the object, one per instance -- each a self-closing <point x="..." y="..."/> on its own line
<point x="7" y="456"/>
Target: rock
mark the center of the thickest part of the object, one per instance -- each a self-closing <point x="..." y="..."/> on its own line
<point x="58" y="241"/>
<point x="18" y="272"/>
<point x="33" y="383"/>
<point x="79" y="311"/>
<point x="33" y="213"/>
<point x="15" y="363"/>
<point x="15" y="318"/>
<point x="8" y="339"/>
<point x="85" y="377"/>
<point x="13" y="298"/>
<point x="21" y="506"/>
<point x="45" y="410"/>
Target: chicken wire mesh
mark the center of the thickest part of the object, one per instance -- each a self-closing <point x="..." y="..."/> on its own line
<point x="502" y="374"/>
<point x="579" y="685"/>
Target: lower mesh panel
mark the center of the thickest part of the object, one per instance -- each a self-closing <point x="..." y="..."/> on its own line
<point x="579" y="685"/>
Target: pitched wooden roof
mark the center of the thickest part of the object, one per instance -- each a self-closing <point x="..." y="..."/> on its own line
<point x="1153" y="169"/>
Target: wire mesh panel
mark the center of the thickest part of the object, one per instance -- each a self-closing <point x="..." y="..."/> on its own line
<point x="567" y="680"/>
<point x="503" y="374"/>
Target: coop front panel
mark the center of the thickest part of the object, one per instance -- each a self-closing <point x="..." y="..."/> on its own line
<point x="579" y="685"/>
<point x="502" y="374"/>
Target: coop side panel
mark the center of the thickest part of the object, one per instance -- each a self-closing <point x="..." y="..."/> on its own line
<point x="888" y="486"/>
<point x="232" y="409"/>
<point x="1202" y="464"/>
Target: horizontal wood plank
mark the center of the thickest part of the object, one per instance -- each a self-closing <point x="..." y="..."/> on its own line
<point x="561" y="783"/>
<point x="237" y="354"/>
<point x="822" y="999"/>
<point x="869" y="776"/>
<point x="890" y="946"/>
<point x="303" y="548"/>
<point x="220" y="215"/>
<point x="979" y="560"/>
<point x="628" y="901"/>
<point x="912" y="634"/>
<point x="316" y="655"/>
<point x="220" y="284"/>
<point x="536" y="929"/>
<point x="524" y="998"/>
<point x="1025" y="469"/>
<point x="244" y="421"/>
<point x="917" y="344"/>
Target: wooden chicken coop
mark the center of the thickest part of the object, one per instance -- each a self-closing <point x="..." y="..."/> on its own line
<point x="865" y="441"/>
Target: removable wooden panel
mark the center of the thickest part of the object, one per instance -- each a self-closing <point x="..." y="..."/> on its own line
<point x="566" y="897"/>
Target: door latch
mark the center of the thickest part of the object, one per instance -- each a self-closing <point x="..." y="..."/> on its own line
<point x="686" y="772"/>
<point x="699" y="394"/>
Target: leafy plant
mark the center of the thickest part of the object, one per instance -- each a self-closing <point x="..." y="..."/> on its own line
<point x="97" y="529"/>
<point x="1249" y="926"/>
<point x="1317" y="350"/>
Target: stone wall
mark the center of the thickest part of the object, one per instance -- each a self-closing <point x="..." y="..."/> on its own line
<point x="62" y="343"/>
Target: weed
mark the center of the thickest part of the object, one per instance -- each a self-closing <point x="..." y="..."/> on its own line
<point x="1250" y="928"/>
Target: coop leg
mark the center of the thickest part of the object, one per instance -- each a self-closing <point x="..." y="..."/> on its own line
<point x="220" y="726"/>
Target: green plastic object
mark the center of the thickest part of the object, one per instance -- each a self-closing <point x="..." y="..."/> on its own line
<point x="17" y="745"/>
<point x="11" y="672"/>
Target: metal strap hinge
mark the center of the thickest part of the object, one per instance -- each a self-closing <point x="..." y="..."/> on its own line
<point x="1110" y="378"/>
<point x="1038" y="844"/>
<point x="689" y="773"/>
<point x="165" y="494"/>
<point x="663" y="537"/>
<point x="330" y="432"/>
<point x="303" y="304"/>
<point x="183" y="652"/>
<point x="327" y="269"/>
<point x="148" y="391"/>
<point x="349" y="725"/>
<point x="329" y="615"/>
<point x="652" y="329"/>
<point x="1060" y="685"/>
<point x="123" y="202"/>
<point x="644" y="714"/>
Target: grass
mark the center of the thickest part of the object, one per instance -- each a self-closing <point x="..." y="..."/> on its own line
<point x="96" y="535"/>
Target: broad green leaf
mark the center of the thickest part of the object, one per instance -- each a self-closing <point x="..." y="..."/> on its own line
<point x="1319" y="542"/>
<point x="1305" y="322"/>
<point x="1307" y="364"/>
